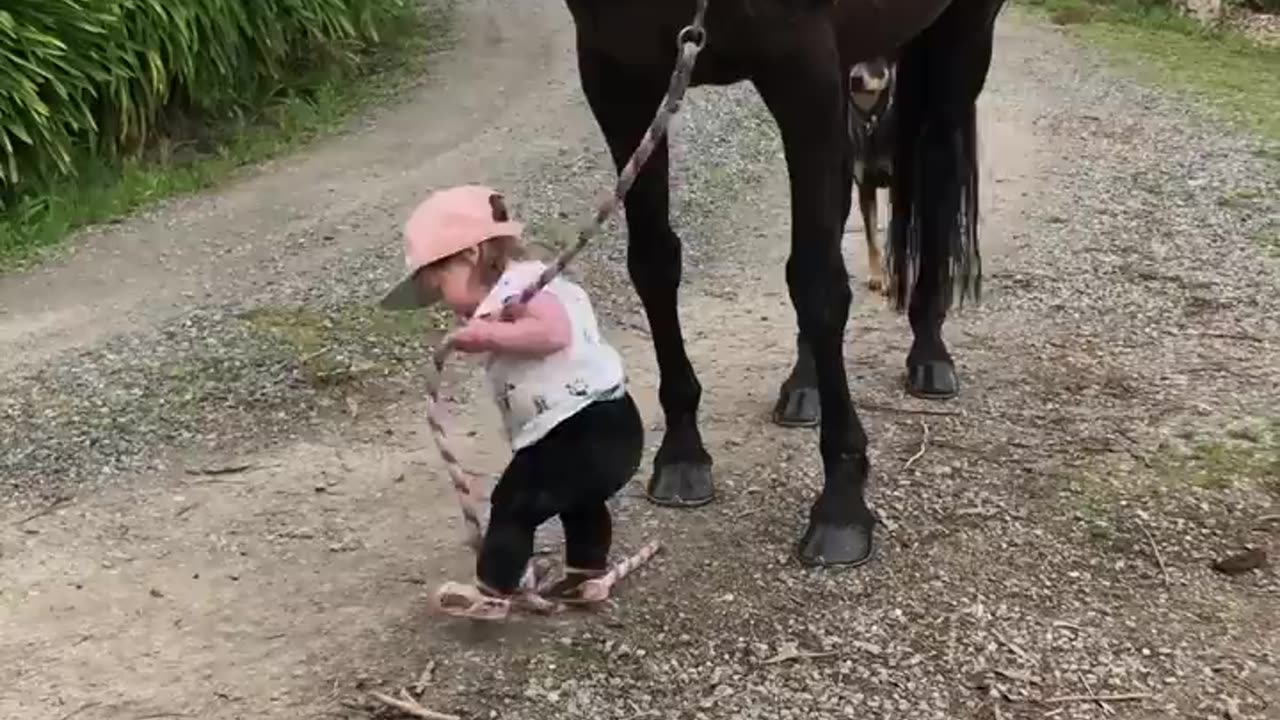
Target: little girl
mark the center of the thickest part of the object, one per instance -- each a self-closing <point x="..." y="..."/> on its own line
<point x="574" y="429"/>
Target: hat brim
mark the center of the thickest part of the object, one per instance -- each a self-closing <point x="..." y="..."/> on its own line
<point x="409" y="295"/>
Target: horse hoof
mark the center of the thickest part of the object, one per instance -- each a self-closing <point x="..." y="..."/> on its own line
<point x="933" y="380"/>
<point x="831" y="545"/>
<point x="797" y="407"/>
<point x="681" y="484"/>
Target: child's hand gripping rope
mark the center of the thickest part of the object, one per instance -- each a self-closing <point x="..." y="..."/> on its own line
<point x="469" y="601"/>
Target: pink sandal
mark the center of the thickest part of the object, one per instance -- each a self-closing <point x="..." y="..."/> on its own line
<point x="469" y="601"/>
<point x="474" y="603"/>
<point x="579" y="588"/>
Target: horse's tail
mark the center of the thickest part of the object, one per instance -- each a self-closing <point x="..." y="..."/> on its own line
<point x="933" y="233"/>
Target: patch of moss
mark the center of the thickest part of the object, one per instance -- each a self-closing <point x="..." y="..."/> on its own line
<point x="1093" y="500"/>
<point x="1246" y="199"/>
<point x="336" y="345"/>
<point x="1246" y="454"/>
<point x="1243" y="458"/>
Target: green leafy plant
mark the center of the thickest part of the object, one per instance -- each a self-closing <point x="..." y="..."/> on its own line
<point x="108" y="76"/>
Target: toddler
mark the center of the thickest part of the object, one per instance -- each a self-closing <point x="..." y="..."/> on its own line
<point x="575" y="432"/>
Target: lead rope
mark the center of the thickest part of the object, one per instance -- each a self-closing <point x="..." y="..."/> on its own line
<point x="690" y="42"/>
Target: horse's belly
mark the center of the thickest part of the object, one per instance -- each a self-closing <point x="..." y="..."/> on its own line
<point x="642" y="33"/>
<point x="875" y="28"/>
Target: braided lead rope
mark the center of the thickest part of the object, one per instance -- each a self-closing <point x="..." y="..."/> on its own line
<point x="482" y="607"/>
<point x="597" y="589"/>
<point x="690" y="41"/>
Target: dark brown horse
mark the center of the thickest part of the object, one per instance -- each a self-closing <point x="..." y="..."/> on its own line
<point x="798" y="54"/>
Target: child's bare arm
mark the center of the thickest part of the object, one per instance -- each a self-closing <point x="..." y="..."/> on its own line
<point x="541" y="328"/>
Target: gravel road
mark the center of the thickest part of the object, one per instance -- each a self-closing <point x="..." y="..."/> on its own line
<point x="219" y="500"/>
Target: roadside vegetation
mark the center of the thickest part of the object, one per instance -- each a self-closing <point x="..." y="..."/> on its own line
<point x="1236" y="75"/>
<point x="109" y="105"/>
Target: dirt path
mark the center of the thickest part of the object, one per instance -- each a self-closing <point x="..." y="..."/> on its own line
<point x="503" y="86"/>
<point x="1098" y="422"/>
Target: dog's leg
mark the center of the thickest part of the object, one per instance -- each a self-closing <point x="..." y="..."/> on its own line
<point x="867" y="204"/>
<point x="887" y="290"/>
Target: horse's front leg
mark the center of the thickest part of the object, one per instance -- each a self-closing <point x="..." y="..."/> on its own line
<point x="804" y="90"/>
<point x="623" y="102"/>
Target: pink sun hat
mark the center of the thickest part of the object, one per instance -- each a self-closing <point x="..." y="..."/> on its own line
<point x="447" y="222"/>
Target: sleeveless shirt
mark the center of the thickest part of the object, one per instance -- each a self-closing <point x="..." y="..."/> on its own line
<point x="535" y="394"/>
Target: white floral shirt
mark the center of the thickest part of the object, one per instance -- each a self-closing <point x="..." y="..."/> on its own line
<point x="537" y="393"/>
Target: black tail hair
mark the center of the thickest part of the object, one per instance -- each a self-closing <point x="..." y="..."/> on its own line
<point x="934" y="193"/>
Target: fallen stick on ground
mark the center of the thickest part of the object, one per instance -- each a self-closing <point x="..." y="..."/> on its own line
<point x="46" y="510"/>
<point x="79" y="710"/>
<point x="874" y="407"/>
<point x="1164" y="571"/>
<point x="424" y="678"/>
<point x="1014" y="648"/>
<point x="1016" y="676"/>
<point x="410" y="706"/>
<point x="221" y="470"/>
<point x="1222" y="672"/>
<point x="924" y="445"/>
<point x="1106" y="709"/>
<point x="789" y="651"/>
<point x="1248" y="337"/>
<point x="1120" y="697"/>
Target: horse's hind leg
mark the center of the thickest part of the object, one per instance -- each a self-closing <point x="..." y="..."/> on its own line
<point x="623" y="102"/>
<point x="935" y="186"/>
<point x="804" y="90"/>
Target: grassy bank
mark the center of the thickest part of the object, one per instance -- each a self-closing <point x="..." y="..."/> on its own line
<point x="1237" y="77"/>
<point x="193" y="147"/>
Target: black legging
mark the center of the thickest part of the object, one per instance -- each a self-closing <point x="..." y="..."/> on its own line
<point x="571" y="472"/>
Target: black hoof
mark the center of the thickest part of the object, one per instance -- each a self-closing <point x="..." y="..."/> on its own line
<point x="933" y="380"/>
<point x="830" y="545"/>
<point x="681" y="484"/>
<point x="797" y="407"/>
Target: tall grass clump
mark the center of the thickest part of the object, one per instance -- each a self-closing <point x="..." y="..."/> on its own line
<point x="90" y="83"/>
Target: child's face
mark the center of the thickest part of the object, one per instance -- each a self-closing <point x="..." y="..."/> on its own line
<point x="457" y="281"/>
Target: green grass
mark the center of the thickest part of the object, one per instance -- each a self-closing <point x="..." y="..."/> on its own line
<point x="105" y="190"/>
<point x="1238" y="77"/>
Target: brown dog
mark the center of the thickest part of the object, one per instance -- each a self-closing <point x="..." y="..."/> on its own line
<point x="871" y="132"/>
